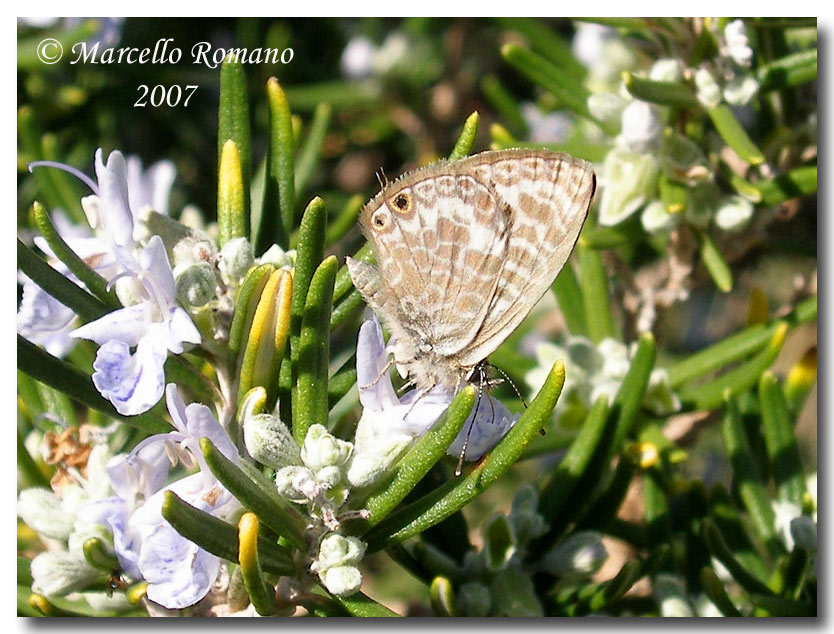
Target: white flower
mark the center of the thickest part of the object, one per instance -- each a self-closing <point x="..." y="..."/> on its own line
<point x="588" y="41"/>
<point x="59" y="573"/>
<point x="592" y="371"/>
<point x="236" y="258"/>
<point x="606" y="106"/>
<point x="149" y="189"/>
<point x="629" y="179"/>
<point x="708" y="91"/>
<point x="45" y="321"/>
<point x="322" y="449"/>
<point x="41" y="510"/>
<point x="657" y="219"/>
<point x="342" y="580"/>
<point x="270" y="442"/>
<point x="358" y="58"/>
<point x="784" y="513"/>
<point x="733" y="213"/>
<point x="670" y="593"/>
<point x="738" y="46"/>
<point x="666" y="69"/>
<point x="740" y="90"/>
<point x="640" y="126"/>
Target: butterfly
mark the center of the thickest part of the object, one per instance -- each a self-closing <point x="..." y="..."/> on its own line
<point x="464" y="250"/>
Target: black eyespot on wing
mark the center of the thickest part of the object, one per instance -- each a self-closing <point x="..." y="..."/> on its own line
<point x="402" y="202"/>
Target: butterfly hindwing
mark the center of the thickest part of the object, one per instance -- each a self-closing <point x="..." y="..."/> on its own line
<point x="549" y="196"/>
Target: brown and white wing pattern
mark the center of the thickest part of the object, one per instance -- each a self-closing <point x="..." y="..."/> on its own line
<point x="440" y="239"/>
<point x="548" y="196"/>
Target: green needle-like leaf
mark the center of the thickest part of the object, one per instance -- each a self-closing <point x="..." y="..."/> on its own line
<point x="566" y="476"/>
<point x="734" y="135"/>
<point x="345" y="220"/>
<point x="712" y="538"/>
<point x="220" y="538"/>
<point x="310" y="251"/>
<point x="780" y="440"/>
<point x="466" y="140"/>
<point x="548" y="43"/>
<point x="712" y="394"/>
<point x="715" y="263"/>
<point x="96" y="284"/>
<point x="630" y="396"/>
<point x="714" y="589"/>
<point x="800" y="181"/>
<point x="310" y="404"/>
<point x="362" y="605"/>
<point x="245" y="306"/>
<point x="271" y="508"/>
<point x="737" y="346"/>
<point x="310" y="152"/>
<point x="233" y="125"/>
<point x="260" y="592"/>
<point x="751" y="488"/>
<point x="422" y="457"/>
<point x="595" y="297"/>
<point x="58" y="188"/>
<point x="343" y="282"/>
<point x="570" y="93"/>
<point x="345" y="309"/>
<point x="67" y="378"/>
<point x="531" y="423"/>
<point x="664" y="93"/>
<point x="569" y="295"/>
<point x="71" y="295"/>
<point x="788" y="71"/>
<point x="278" y="210"/>
<point x="232" y="214"/>
<point x="447" y="501"/>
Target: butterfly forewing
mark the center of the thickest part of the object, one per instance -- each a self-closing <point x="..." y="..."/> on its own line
<point x="465" y="249"/>
<point x="440" y="256"/>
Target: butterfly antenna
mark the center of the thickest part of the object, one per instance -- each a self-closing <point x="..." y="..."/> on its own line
<point x="379" y="376"/>
<point x="512" y="385"/>
<point x="420" y="395"/>
<point x="459" y="468"/>
<point x="382" y="179"/>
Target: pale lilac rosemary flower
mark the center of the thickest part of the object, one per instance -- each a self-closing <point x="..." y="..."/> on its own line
<point x="178" y="572"/>
<point x="134" y="382"/>
<point x="390" y="424"/>
<point x="152" y="324"/>
<point x="41" y="318"/>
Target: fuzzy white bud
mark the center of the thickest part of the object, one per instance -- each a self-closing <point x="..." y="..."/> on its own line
<point x="59" y="573"/>
<point x="269" y="441"/>
<point x="41" y="510"/>
<point x="342" y="580"/>
<point x="196" y="284"/>
<point x="236" y="257"/>
<point x="322" y="449"/>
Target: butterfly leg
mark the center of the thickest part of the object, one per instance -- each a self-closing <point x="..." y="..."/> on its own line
<point x="459" y="468"/>
<point x="379" y="376"/>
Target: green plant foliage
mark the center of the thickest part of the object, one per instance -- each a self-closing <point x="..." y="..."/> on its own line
<point x="193" y="367"/>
